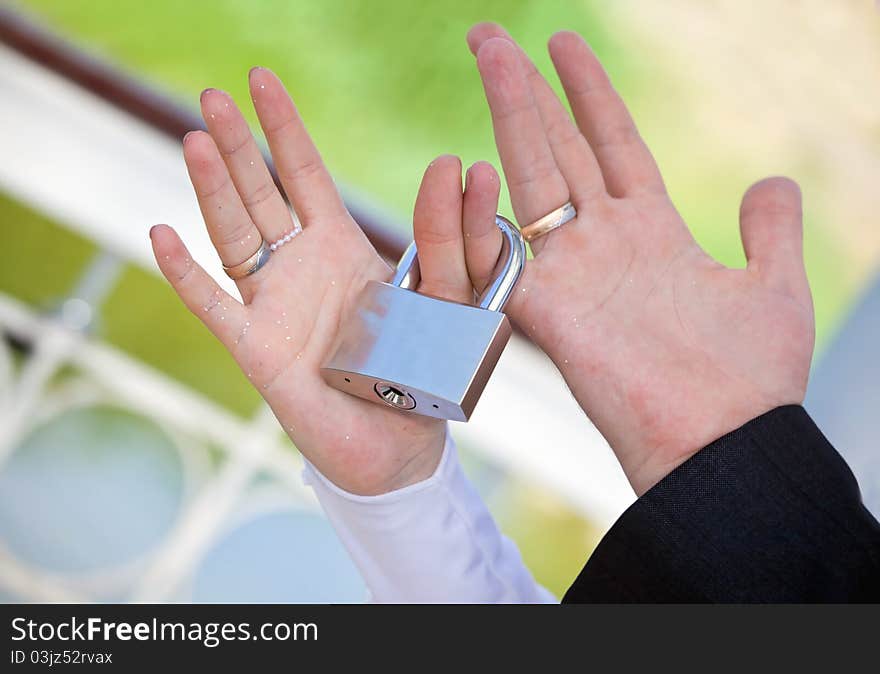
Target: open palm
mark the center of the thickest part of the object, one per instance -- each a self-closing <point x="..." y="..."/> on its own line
<point x="280" y="335"/>
<point x="664" y="348"/>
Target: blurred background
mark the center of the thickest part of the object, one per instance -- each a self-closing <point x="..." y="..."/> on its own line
<point x="136" y="462"/>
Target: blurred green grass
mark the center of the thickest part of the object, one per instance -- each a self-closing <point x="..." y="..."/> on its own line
<point x="386" y="86"/>
<point x="47" y="260"/>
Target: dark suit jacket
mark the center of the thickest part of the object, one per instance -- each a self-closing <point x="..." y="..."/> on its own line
<point x="767" y="513"/>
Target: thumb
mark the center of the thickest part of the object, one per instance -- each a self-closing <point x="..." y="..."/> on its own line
<point x="438" y="235"/>
<point x="771" y="226"/>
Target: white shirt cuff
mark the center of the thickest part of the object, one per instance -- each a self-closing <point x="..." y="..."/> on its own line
<point x="433" y="541"/>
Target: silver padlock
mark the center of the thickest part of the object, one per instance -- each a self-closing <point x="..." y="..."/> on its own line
<point x="422" y="354"/>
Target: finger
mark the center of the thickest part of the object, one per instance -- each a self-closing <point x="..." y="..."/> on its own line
<point x="482" y="238"/>
<point x="233" y="234"/>
<point x="308" y="184"/>
<point x="603" y="118"/>
<point x="245" y="164"/>
<point x="536" y="185"/>
<point x="438" y="235"/>
<point x="573" y="154"/>
<point x="771" y="226"/>
<point x="221" y="314"/>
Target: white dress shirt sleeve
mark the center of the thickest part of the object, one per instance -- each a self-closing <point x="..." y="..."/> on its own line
<point x="434" y="541"/>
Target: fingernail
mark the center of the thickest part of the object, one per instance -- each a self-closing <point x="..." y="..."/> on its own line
<point x="152" y="229"/>
<point x="187" y="135"/>
<point x="467" y="178"/>
<point x="254" y="70"/>
<point x="206" y="91"/>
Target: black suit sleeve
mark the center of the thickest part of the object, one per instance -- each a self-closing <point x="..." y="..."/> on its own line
<point x="767" y="513"/>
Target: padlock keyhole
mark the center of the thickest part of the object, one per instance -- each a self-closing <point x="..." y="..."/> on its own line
<point x="394" y="396"/>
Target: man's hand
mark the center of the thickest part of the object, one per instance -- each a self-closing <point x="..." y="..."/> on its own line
<point x="294" y="305"/>
<point x="664" y="348"/>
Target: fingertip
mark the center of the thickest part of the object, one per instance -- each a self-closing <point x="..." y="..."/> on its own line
<point x="270" y="97"/>
<point x="163" y="237"/>
<point x="495" y="53"/>
<point x="774" y="188"/>
<point x="777" y="199"/>
<point x="474" y="36"/>
<point x="566" y="38"/>
<point x="214" y="102"/>
<point x="483" y="31"/>
<point x="257" y="72"/>
<point x="567" y="44"/>
<point x="482" y="237"/>
<point x="437" y="231"/>
<point x="198" y="145"/>
<point x="164" y="242"/>
<point x="484" y="171"/>
<point x="170" y="252"/>
<point x="442" y="173"/>
<point x="482" y="179"/>
<point x="446" y="162"/>
<point x="771" y="227"/>
<point x="259" y="78"/>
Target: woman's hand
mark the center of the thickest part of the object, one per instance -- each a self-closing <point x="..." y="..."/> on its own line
<point x="664" y="348"/>
<point x="293" y="306"/>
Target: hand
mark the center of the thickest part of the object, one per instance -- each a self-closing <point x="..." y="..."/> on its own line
<point x="664" y="348"/>
<point x="293" y="306"/>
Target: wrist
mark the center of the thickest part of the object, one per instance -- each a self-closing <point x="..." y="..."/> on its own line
<point x="386" y="465"/>
<point x="652" y="422"/>
<point x="418" y="468"/>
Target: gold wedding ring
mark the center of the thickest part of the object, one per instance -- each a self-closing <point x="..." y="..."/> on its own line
<point x="249" y="266"/>
<point x="549" y="222"/>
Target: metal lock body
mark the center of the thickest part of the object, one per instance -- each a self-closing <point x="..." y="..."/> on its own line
<point x="422" y="354"/>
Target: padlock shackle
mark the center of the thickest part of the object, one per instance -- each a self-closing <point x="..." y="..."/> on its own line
<point x="510" y="264"/>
